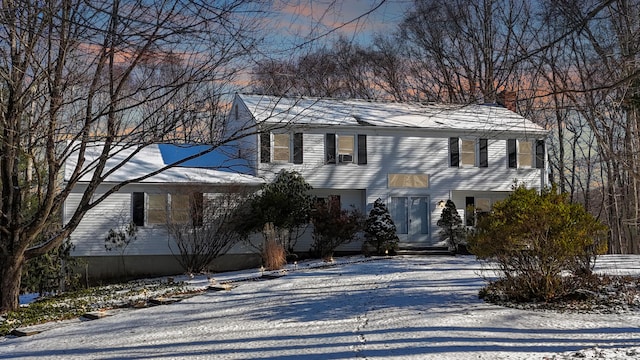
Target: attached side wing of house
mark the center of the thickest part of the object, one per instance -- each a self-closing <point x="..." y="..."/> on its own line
<point x="151" y="204"/>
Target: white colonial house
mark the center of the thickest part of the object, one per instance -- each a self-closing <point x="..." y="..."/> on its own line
<point x="150" y="204"/>
<point x="413" y="156"/>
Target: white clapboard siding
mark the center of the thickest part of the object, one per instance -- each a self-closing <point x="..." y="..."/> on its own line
<point x="115" y="213"/>
<point x="408" y="139"/>
<point x="406" y="155"/>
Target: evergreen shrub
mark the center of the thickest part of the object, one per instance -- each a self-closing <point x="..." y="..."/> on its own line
<point x="380" y="231"/>
<point x="538" y="242"/>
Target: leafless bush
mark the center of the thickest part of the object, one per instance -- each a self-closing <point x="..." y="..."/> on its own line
<point x="208" y="232"/>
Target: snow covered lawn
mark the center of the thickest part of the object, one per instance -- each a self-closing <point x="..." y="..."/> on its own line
<point x="402" y="307"/>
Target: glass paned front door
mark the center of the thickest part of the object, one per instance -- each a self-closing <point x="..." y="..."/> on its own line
<point x="399" y="214"/>
<point x="411" y="217"/>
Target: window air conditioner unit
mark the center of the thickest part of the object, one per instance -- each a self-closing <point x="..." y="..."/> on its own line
<point x="345" y="158"/>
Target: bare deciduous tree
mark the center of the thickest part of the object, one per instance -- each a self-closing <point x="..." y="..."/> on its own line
<point x="601" y="81"/>
<point x="204" y="227"/>
<point x="466" y="51"/>
<point x="345" y="70"/>
<point x="124" y="73"/>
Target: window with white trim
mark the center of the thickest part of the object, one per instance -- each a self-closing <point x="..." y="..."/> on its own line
<point x="345" y="149"/>
<point x="476" y="208"/>
<point x="525" y="153"/>
<point x="346" y="144"/>
<point x="158" y="209"/>
<point x="468" y="152"/>
<point x="281" y="147"/>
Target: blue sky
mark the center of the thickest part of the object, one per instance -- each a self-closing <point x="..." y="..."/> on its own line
<point x="302" y="20"/>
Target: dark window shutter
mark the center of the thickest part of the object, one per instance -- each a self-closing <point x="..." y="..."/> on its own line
<point x="454" y="152"/>
<point x="469" y="210"/>
<point x="512" y="153"/>
<point x="197" y="209"/>
<point x="137" y="199"/>
<point x="484" y="153"/>
<point x="540" y="154"/>
<point x="330" y="148"/>
<point x="297" y="148"/>
<point x="265" y="147"/>
<point x="362" y="149"/>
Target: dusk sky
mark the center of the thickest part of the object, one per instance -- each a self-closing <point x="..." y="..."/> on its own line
<point x="302" y="20"/>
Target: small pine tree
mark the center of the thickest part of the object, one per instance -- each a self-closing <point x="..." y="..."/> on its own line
<point x="380" y="231"/>
<point x="452" y="229"/>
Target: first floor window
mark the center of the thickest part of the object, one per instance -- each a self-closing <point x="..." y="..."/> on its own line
<point x="158" y="209"/>
<point x="180" y="212"/>
<point x="187" y="208"/>
<point x="476" y="208"/>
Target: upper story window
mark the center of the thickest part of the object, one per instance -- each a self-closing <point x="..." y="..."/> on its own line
<point x="525" y="153"/>
<point x="525" y="157"/>
<point x="281" y="147"/>
<point x="346" y="144"/>
<point x="345" y="149"/>
<point x="468" y="153"/>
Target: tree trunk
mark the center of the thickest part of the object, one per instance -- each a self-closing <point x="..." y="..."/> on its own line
<point x="10" y="276"/>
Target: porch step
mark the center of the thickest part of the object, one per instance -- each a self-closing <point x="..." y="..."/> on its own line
<point x="424" y="250"/>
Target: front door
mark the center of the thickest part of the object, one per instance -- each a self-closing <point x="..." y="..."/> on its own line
<point x="411" y="217"/>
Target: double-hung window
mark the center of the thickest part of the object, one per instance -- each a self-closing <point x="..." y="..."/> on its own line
<point x="281" y="147"/>
<point x="525" y="153"/>
<point x="156" y="209"/>
<point x="468" y="153"/>
<point x="345" y="149"/>
<point x="160" y="209"/>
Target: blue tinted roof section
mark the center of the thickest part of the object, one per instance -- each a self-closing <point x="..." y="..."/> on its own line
<point x="223" y="158"/>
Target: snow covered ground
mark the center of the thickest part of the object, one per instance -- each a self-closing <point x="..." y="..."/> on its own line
<point x="402" y="308"/>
